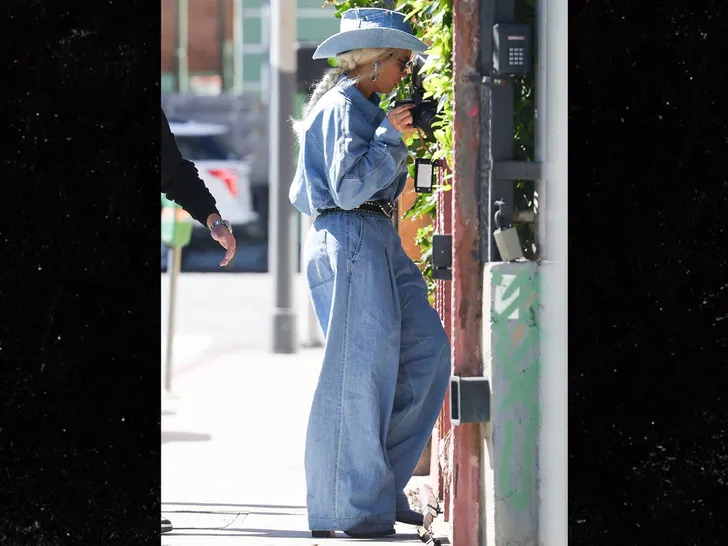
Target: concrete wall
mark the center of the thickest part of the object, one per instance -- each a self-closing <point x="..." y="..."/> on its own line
<point x="510" y="490"/>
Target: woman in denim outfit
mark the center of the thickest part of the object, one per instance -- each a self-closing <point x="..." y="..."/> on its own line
<point x="387" y="358"/>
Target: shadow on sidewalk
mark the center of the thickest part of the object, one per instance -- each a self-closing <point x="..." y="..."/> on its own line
<point x="246" y="507"/>
<point x="176" y="436"/>
<point x="281" y="533"/>
<point x="228" y="532"/>
<point x="246" y="510"/>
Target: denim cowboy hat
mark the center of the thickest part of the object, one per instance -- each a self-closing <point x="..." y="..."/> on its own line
<point x="370" y="28"/>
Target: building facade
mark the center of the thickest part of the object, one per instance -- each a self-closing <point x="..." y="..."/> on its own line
<point x="314" y="24"/>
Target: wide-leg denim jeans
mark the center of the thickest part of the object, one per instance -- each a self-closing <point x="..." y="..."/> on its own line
<point x="384" y="375"/>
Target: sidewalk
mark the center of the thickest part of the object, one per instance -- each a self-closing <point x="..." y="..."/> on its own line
<point x="232" y="453"/>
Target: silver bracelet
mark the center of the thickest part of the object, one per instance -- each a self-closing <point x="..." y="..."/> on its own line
<point x="221" y="223"/>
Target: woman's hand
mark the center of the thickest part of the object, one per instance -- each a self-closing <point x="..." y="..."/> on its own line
<point x="401" y="118"/>
<point x="226" y="240"/>
<point x="223" y="236"/>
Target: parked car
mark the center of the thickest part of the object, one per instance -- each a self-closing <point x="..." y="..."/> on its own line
<point x="226" y="176"/>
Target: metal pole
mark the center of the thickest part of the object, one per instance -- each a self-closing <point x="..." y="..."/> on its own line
<point x="238" y="76"/>
<point x="181" y="35"/>
<point x="502" y="123"/>
<point x="553" y="46"/>
<point x="174" y="265"/>
<point x="541" y="141"/>
<point x="282" y="226"/>
<point x="443" y="305"/>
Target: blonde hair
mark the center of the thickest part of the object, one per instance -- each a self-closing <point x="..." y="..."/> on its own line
<point x="348" y="62"/>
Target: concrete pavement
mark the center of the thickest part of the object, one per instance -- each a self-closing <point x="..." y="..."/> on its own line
<point x="219" y="313"/>
<point x="233" y="434"/>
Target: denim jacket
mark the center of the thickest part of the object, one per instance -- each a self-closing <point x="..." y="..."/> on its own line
<point x="349" y="153"/>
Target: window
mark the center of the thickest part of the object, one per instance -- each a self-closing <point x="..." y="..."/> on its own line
<point x="205" y="148"/>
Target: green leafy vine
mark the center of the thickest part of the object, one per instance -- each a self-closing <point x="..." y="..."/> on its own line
<point x="432" y="21"/>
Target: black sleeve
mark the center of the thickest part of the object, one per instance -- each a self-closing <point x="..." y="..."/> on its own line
<point x="181" y="181"/>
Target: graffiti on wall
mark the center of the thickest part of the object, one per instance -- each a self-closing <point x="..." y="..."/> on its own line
<point x="516" y="336"/>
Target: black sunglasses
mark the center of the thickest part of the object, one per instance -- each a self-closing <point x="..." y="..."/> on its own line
<point x="405" y="64"/>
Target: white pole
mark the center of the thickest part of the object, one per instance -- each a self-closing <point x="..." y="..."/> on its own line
<point x="553" y="48"/>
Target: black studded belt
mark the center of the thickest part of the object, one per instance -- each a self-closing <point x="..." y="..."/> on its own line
<point x="382" y="207"/>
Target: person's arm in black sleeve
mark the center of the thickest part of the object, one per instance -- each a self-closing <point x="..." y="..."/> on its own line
<point x="181" y="182"/>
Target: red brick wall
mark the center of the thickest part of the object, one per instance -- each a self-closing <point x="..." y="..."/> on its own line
<point x="203" y="52"/>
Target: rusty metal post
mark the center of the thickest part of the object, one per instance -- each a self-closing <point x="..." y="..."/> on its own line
<point x="440" y="466"/>
<point x="467" y="275"/>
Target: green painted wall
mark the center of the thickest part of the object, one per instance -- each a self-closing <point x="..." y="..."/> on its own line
<point x="511" y="333"/>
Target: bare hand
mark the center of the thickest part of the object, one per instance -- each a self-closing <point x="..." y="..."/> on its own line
<point x="226" y="239"/>
<point x="401" y="118"/>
